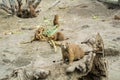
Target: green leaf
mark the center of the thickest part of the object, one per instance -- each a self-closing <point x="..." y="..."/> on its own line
<point x="51" y="31"/>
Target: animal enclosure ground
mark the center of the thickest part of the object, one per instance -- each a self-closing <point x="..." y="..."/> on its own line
<point x="78" y="20"/>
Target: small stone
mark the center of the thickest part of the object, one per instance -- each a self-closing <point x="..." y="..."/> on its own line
<point x="85" y="26"/>
<point x="6" y="60"/>
<point x="70" y="69"/>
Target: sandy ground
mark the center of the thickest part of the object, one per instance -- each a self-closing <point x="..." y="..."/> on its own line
<point x="79" y="19"/>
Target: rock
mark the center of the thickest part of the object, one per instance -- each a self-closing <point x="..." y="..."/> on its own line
<point x="6" y="60"/>
<point x="85" y="26"/>
<point x="41" y="74"/>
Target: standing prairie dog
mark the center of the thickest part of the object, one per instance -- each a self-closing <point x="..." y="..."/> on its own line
<point x="32" y="11"/>
<point x="55" y="20"/>
<point x="71" y="52"/>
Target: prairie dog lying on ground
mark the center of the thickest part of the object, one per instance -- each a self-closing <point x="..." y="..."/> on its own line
<point x="71" y="52"/>
<point x="32" y="11"/>
<point x="58" y="36"/>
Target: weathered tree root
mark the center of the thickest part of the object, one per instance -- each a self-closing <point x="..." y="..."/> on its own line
<point x="26" y="73"/>
<point x="17" y="8"/>
<point x="92" y="66"/>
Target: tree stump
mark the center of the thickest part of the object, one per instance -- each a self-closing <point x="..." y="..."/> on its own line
<point x="22" y="9"/>
<point x="99" y="68"/>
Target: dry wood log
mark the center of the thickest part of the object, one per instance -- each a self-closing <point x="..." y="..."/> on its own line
<point x="99" y="68"/>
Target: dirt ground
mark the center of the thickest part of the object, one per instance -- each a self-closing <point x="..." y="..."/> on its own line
<point x="79" y="19"/>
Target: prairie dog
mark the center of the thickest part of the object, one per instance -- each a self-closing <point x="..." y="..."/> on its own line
<point x="55" y="21"/>
<point x="32" y="11"/>
<point x="58" y="36"/>
<point x="71" y="52"/>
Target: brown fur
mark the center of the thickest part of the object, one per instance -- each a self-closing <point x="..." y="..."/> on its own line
<point x="32" y="11"/>
<point x="58" y="36"/>
<point x="71" y="52"/>
<point x="55" y="21"/>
